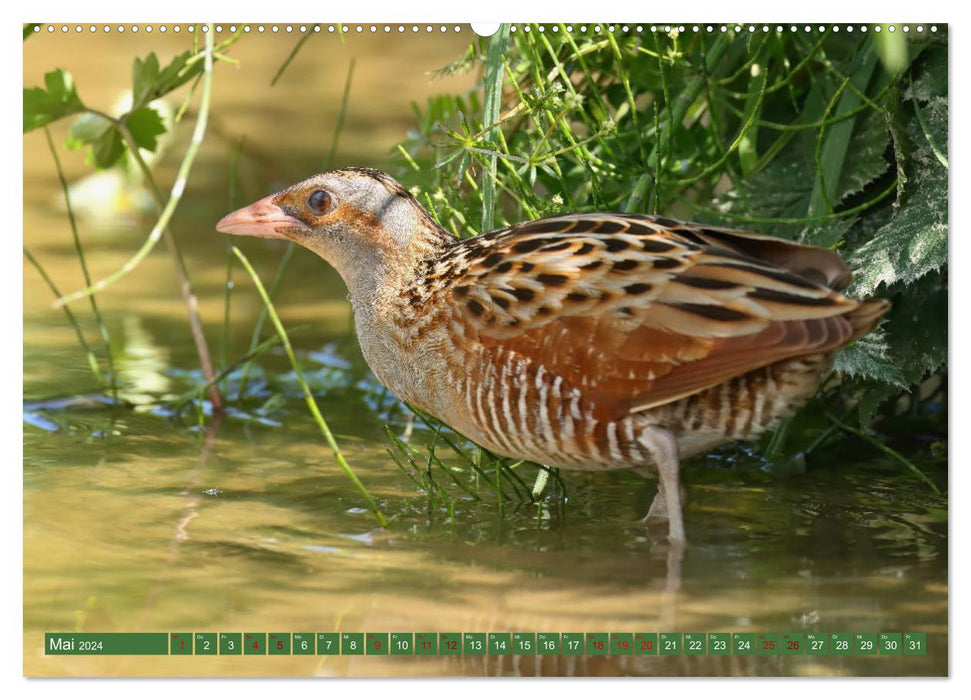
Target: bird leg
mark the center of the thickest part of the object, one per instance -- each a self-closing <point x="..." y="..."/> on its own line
<point x="663" y="448"/>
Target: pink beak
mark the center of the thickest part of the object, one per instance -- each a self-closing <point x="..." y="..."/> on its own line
<point x="262" y="219"/>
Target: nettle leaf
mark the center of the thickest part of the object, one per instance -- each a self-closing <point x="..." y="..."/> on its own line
<point x="870" y="358"/>
<point x="917" y="331"/>
<point x="871" y="397"/>
<point x="868" y="155"/>
<point x="932" y="80"/>
<point x="781" y="190"/>
<point x="59" y="99"/>
<point x="829" y="234"/>
<point x="145" y="125"/>
<point x="915" y="241"/>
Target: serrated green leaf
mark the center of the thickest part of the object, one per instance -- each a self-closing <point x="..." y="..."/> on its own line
<point x="85" y="130"/>
<point x="145" y="125"/>
<point x="107" y="150"/>
<point x="144" y="79"/>
<point x="149" y="82"/>
<point x="59" y="99"/>
<point x="869" y="358"/>
<point x="829" y="234"/>
<point x="872" y="396"/>
<point x="868" y="150"/>
<point x="915" y="241"/>
<point x="931" y="81"/>
<point x="917" y="331"/>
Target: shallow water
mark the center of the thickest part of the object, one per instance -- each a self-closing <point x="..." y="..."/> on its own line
<point x="136" y="519"/>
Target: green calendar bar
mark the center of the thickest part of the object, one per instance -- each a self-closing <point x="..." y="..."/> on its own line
<point x="694" y="643"/>
<point x="549" y="643"/>
<point x="743" y="643"/>
<point x="524" y="643"/>
<point x="598" y="644"/>
<point x="352" y="643"/>
<point x="278" y="644"/>
<point x="304" y="643"/>
<point x="328" y="643"/>
<point x="426" y="644"/>
<point x="450" y="643"/>
<point x="254" y="643"/>
<point x="621" y="643"/>
<point x="719" y="643"/>
<point x="500" y="643"/>
<point x="841" y="644"/>
<point x="180" y="643"/>
<point x="669" y="643"/>
<point x="645" y="643"/>
<point x="571" y="644"/>
<point x="474" y="644"/>
<point x="377" y="643"/>
<point x="230" y="643"/>
<point x="891" y="644"/>
<point x="106" y="643"/>
<point x="885" y="644"/>
<point x="767" y="643"/>
<point x="817" y="643"/>
<point x="866" y="643"/>
<point x="793" y="643"/>
<point x="206" y="643"/>
<point x="915" y="643"/>
<point x="402" y="643"/>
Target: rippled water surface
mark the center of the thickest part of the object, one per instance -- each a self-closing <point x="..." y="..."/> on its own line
<point x="138" y="519"/>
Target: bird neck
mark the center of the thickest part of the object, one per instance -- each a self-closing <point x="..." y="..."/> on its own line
<point x="397" y="318"/>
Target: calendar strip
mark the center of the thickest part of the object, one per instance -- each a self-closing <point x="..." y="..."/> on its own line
<point x="487" y="643"/>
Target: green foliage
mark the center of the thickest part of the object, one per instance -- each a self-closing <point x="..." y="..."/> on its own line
<point x="149" y="82"/>
<point x="833" y="139"/>
<point x="58" y="98"/>
<point x="103" y="135"/>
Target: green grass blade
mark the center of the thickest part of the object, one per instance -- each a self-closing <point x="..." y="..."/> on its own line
<point x="491" y="104"/>
<point x="308" y="395"/>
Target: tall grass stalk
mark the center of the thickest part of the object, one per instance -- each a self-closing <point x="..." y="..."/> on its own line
<point x="102" y="327"/>
<point x="308" y="395"/>
<point x="88" y="352"/>
<point x="491" y="103"/>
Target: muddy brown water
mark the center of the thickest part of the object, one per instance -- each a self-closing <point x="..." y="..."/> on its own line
<point x="138" y="520"/>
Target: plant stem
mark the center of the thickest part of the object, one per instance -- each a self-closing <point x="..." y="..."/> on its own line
<point x="102" y="328"/>
<point x="341" y="115"/>
<point x="308" y="395"/>
<point x="161" y="226"/>
<point x="491" y="104"/>
<point x="92" y="360"/>
<point x="886" y="449"/>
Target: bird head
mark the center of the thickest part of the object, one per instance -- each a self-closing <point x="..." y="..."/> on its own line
<point x="361" y="221"/>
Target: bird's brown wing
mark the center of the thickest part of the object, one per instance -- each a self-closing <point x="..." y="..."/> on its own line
<point x="638" y="311"/>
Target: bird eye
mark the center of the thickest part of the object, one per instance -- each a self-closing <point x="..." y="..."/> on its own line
<point x="319" y="201"/>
